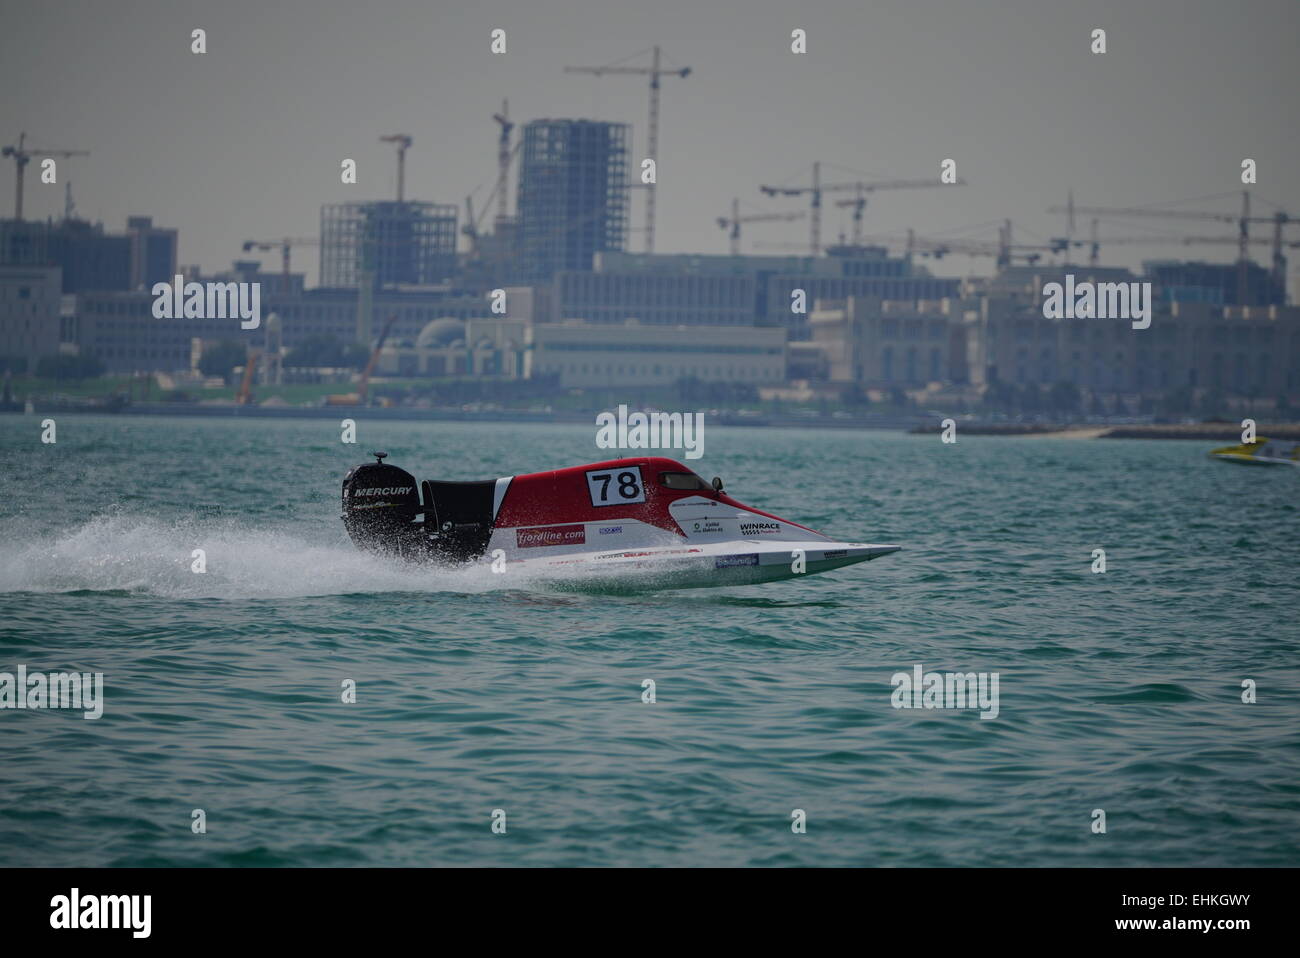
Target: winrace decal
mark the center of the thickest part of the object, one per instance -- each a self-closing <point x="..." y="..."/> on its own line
<point x="759" y="528"/>
<point x="611" y="530"/>
<point x="726" y="562"/>
<point x="835" y="554"/>
<point x="550" y="536"/>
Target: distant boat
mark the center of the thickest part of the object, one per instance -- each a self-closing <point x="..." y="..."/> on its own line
<point x="1261" y="452"/>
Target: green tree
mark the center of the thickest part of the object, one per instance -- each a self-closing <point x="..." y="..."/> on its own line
<point x="64" y="367"/>
<point x="220" y="359"/>
<point x="355" y="355"/>
<point x="320" y="349"/>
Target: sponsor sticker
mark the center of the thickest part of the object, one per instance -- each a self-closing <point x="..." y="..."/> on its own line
<point x="726" y="562"/>
<point x="611" y="530"/>
<point x="383" y="491"/>
<point x="550" y="536"/>
<point x="706" y="525"/>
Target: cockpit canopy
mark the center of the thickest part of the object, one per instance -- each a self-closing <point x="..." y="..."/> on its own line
<point x="683" y="480"/>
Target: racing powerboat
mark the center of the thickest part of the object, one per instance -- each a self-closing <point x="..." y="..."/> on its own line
<point x="1261" y="452"/>
<point x="621" y="522"/>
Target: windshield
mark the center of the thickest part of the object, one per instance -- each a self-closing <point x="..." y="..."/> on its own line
<point x="682" y="480"/>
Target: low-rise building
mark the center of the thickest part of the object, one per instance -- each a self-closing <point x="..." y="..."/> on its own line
<point x="880" y="343"/>
<point x="595" y="355"/>
<point x="1239" y="350"/>
<point x="31" y="310"/>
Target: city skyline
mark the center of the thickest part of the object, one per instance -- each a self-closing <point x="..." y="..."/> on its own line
<point x="245" y="141"/>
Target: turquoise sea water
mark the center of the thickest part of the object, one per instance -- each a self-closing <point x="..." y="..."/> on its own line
<point x="1119" y="691"/>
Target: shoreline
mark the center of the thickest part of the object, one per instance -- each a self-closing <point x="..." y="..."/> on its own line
<point x="916" y="425"/>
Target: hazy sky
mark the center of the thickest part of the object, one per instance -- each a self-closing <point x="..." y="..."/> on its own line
<point x="245" y="141"/>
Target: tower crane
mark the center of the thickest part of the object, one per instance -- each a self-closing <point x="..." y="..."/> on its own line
<point x="859" y="203"/>
<point x="286" y="244"/>
<point x="403" y="141"/>
<point x="733" y="222"/>
<point x="474" y="222"/>
<point x="817" y="188"/>
<point x="503" y="156"/>
<point x="283" y="245"/>
<point x="652" y="139"/>
<point x="1003" y="249"/>
<point x="22" y="155"/>
<point x="1277" y="244"/>
<point x="1279" y="220"/>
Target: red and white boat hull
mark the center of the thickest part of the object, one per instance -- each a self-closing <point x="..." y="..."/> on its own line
<point x="648" y="521"/>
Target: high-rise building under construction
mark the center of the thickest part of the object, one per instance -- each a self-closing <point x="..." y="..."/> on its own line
<point x="398" y="243"/>
<point x="573" y="194"/>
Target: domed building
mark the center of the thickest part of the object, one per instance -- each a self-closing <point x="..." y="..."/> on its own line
<point x="441" y="333"/>
<point x="443" y="348"/>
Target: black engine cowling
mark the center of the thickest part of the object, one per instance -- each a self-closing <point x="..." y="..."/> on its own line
<point x="380" y="506"/>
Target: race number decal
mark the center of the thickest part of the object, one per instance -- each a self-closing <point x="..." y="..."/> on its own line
<point x="612" y="487"/>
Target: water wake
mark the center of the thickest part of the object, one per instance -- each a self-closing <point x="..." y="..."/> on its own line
<point x="155" y="557"/>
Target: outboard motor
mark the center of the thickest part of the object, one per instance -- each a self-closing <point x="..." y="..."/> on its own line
<point x="380" y="505"/>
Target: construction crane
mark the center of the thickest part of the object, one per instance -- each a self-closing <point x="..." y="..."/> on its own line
<point x="22" y="155"/>
<point x="1003" y="249"/>
<point x="733" y="222"/>
<point x="652" y="141"/>
<point x="470" y="227"/>
<point x="1221" y="240"/>
<point x="245" y="394"/>
<point x="1279" y="220"/>
<point x="358" y="398"/>
<point x="859" y="202"/>
<point x="817" y="188"/>
<point x="503" y="157"/>
<point x="1096" y="243"/>
<point x="283" y="245"/>
<point x="473" y="223"/>
<point x="403" y="141"/>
